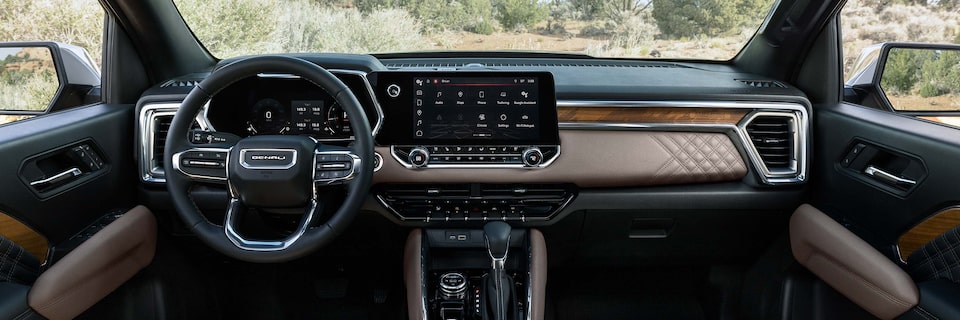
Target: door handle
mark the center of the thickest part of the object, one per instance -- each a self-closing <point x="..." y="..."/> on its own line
<point x="886" y="176"/>
<point x="56" y="179"/>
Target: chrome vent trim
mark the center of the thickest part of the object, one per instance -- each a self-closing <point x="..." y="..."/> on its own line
<point x="796" y="173"/>
<point x="153" y="118"/>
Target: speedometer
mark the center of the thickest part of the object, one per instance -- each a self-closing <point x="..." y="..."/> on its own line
<point x="268" y="116"/>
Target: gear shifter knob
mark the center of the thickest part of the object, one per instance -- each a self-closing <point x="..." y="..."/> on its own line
<point x="496" y="234"/>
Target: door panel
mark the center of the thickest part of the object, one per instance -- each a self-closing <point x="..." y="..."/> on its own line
<point x="39" y="148"/>
<point x="881" y="214"/>
<point x="919" y="160"/>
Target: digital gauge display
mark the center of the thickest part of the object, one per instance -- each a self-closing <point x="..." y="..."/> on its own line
<point x="308" y="116"/>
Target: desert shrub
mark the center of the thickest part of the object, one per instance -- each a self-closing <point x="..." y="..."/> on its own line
<point x="27" y="90"/>
<point x="77" y="22"/>
<point x="599" y="29"/>
<point x="311" y="28"/>
<point x="454" y="15"/>
<point x="519" y="14"/>
<point x="590" y="9"/>
<point x="634" y="30"/>
<point x="229" y="28"/>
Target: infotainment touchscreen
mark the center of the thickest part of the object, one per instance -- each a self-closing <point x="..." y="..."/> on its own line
<point x="439" y="108"/>
<point x="490" y="108"/>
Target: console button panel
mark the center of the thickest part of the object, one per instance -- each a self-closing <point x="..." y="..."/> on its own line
<point x="475" y="156"/>
<point x="475" y="202"/>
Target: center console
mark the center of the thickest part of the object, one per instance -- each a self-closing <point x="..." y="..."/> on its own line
<point x="472" y="264"/>
<point x="450" y="274"/>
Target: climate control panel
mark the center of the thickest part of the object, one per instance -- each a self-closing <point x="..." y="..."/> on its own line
<point x="475" y="156"/>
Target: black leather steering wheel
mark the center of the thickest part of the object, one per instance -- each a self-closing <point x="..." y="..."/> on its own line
<point x="272" y="171"/>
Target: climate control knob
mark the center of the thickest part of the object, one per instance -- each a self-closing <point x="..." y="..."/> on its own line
<point x="532" y="157"/>
<point x="419" y="157"/>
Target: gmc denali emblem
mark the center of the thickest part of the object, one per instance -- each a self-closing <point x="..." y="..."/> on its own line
<point x="268" y="159"/>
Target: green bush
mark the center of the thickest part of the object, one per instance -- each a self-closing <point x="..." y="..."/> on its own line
<point x="520" y="14"/>
<point x="76" y="22"/>
<point x="229" y="28"/>
<point x="455" y="15"/>
<point x="901" y="72"/>
<point x="707" y="18"/>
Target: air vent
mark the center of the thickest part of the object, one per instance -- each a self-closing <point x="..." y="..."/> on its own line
<point x="161" y="125"/>
<point x="774" y="138"/>
<point x="762" y="83"/>
<point x="180" y="83"/>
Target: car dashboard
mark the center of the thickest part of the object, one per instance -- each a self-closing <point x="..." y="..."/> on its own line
<point x="636" y="140"/>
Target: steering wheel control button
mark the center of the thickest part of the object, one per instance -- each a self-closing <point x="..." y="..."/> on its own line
<point x="203" y="164"/>
<point x="393" y="90"/>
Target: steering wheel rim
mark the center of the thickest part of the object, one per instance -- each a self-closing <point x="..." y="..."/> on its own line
<point x="312" y="236"/>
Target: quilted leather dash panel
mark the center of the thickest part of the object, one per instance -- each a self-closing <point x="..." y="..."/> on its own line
<point x="698" y="157"/>
<point x="938" y="259"/>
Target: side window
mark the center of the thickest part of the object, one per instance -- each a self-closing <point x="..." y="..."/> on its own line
<point x="920" y="78"/>
<point x="42" y="39"/>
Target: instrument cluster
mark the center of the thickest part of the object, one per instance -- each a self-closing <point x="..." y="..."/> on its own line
<point x="265" y="105"/>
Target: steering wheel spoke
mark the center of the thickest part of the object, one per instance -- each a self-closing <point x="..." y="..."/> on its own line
<point x="231" y="225"/>
<point x="202" y="164"/>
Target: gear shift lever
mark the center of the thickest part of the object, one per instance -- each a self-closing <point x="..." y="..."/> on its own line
<point x="496" y="235"/>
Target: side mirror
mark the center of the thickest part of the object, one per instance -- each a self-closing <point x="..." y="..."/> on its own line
<point x="42" y="77"/>
<point x="917" y="78"/>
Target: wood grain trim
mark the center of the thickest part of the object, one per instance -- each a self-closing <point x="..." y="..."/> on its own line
<point x="24" y="236"/>
<point x="651" y="115"/>
<point x="919" y="235"/>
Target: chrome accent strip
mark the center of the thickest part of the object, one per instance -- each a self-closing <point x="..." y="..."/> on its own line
<point x="243" y="161"/>
<point x="373" y="96"/>
<point x="378" y="159"/>
<point x="262" y="246"/>
<point x="783" y="109"/>
<point x="798" y="156"/>
<point x="529" y="277"/>
<point x="226" y="163"/>
<point x="886" y="176"/>
<point x="149" y="170"/>
<point x="545" y="164"/>
<point x="72" y="172"/>
<point x="423" y="277"/>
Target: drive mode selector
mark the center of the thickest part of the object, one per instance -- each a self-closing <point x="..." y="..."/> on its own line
<point x="532" y="157"/>
<point x="419" y="157"/>
<point x="453" y="286"/>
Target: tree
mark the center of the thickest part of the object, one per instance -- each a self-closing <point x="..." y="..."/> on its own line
<point x="901" y="71"/>
<point x="706" y="18"/>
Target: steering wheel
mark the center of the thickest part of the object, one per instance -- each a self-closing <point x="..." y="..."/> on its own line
<point x="269" y="171"/>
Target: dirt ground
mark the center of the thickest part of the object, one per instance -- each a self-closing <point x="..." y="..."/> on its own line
<point x="918" y="103"/>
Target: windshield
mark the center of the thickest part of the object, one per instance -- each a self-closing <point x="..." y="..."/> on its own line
<point x="670" y="29"/>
